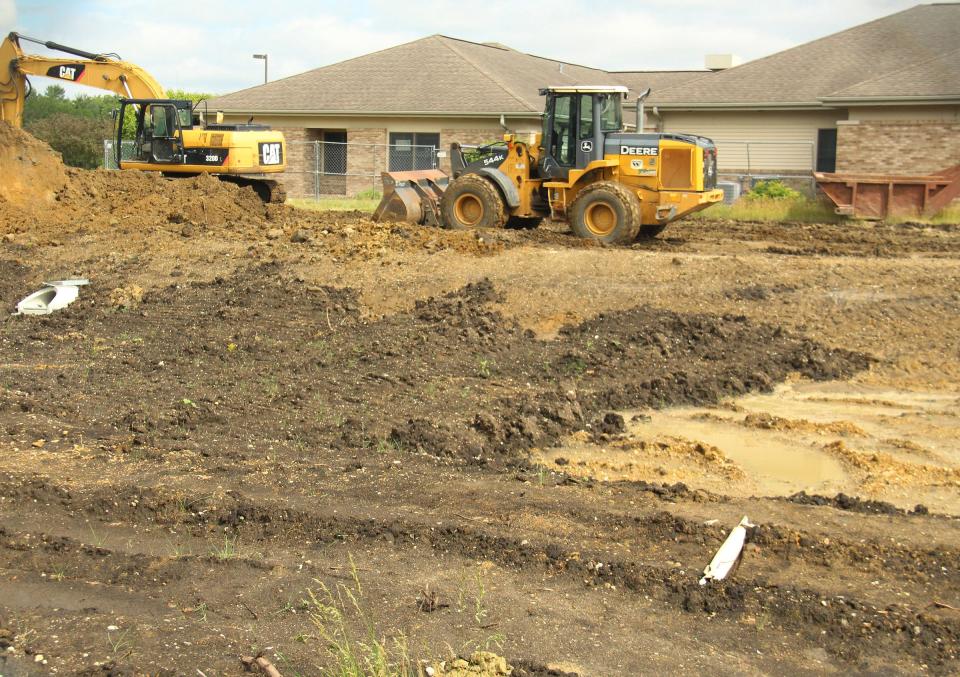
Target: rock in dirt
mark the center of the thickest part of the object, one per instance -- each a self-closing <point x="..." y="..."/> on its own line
<point x="480" y="664"/>
<point x="126" y="297"/>
<point x="301" y="235"/>
<point x="274" y="234"/>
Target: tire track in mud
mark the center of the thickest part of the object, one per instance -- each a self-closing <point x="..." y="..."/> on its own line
<point x="849" y="623"/>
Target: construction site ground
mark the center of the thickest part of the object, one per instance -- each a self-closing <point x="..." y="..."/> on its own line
<point x="514" y="441"/>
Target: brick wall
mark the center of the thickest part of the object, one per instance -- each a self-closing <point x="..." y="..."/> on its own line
<point x="297" y="180"/>
<point x="897" y="147"/>
<point x="365" y="156"/>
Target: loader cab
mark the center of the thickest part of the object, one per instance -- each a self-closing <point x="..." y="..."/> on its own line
<point x="151" y="130"/>
<point x="576" y="121"/>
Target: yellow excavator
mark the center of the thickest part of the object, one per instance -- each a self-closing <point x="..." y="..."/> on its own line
<point x="610" y="185"/>
<point x="169" y="135"/>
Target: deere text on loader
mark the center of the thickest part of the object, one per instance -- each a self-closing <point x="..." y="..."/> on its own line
<point x="610" y="185"/>
<point x="168" y="135"/>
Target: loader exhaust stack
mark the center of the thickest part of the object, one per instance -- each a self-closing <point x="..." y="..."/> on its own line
<point x="412" y="196"/>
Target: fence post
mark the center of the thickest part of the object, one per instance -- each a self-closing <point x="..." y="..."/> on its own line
<point x="749" y="171"/>
<point x="316" y="170"/>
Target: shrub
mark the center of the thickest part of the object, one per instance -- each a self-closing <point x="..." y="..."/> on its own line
<point x="772" y="190"/>
<point x="78" y="139"/>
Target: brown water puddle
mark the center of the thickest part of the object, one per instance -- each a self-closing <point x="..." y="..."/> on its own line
<point x="823" y="438"/>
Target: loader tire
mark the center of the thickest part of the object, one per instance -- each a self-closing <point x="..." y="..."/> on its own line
<point x="607" y="212"/>
<point x="471" y="201"/>
<point x="651" y="230"/>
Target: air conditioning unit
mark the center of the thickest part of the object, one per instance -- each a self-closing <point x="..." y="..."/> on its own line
<point x="731" y="191"/>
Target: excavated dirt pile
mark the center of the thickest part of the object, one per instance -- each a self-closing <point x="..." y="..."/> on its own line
<point x="31" y="173"/>
<point x="44" y="202"/>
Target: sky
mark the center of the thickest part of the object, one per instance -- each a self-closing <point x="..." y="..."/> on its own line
<point x="207" y="45"/>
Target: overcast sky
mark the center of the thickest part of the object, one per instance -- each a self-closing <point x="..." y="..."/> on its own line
<point x="206" y="45"/>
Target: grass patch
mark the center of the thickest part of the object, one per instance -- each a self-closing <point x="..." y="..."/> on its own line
<point x="365" y="202"/>
<point x="799" y="210"/>
<point x="946" y="217"/>
<point x="350" y="636"/>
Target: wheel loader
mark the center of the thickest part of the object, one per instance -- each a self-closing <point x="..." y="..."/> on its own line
<point x="610" y="185"/>
<point x="167" y="135"/>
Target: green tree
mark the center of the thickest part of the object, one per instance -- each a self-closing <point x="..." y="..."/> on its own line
<point x="79" y="139"/>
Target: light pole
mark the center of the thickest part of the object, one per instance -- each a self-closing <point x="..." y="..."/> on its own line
<point x="264" y="57"/>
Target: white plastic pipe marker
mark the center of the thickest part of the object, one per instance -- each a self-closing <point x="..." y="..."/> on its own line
<point x="728" y="554"/>
<point x="52" y="296"/>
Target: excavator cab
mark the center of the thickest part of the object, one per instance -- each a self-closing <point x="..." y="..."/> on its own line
<point x="157" y="133"/>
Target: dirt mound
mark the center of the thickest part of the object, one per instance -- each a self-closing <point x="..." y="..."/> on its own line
<point x="31" y="172"/>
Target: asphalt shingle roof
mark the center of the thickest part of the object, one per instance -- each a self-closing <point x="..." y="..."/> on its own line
<point x="803" y="74"/>
<point x="436" y="74"/>
<point x="937" y="77"/>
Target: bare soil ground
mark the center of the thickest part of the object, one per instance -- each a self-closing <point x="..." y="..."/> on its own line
<point x="522" y="442"/>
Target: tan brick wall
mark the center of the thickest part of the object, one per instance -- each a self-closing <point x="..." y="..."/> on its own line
<point x="897" y="147"/>
<point x="366" y="159"/>
<point x="296" y="179"/>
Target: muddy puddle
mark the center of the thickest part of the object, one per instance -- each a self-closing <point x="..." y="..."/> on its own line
<point x="823" y="438"/>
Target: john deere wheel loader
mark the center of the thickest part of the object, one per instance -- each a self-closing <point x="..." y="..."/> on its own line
<point x="583" y="168"/>
<point x="168" y="135"/>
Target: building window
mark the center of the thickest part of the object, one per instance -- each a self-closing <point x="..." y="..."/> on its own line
<point x="413" y="150"/>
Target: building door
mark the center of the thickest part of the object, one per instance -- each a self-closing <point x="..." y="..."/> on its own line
<point x="826" y="150"/>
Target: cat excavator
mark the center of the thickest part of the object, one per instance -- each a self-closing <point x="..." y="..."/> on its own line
<point x="163" y="135"/>
<point x="610" y="185"/>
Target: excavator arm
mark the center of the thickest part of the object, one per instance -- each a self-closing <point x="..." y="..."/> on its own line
<point x="102" y="71"/>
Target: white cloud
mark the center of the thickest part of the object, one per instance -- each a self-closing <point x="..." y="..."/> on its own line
<point x="8" y="16"/>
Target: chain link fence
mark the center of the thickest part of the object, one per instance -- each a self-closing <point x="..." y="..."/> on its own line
<point x="328" y="168"/>
<point x="754" y="161"/>
<point x="317" y="169"/>
<point x="110" y="157"/>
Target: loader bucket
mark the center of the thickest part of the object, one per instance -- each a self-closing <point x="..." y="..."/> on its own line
<point x="412" y="196"/>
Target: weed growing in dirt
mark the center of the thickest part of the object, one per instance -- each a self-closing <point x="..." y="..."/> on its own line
<point x="336" y="612"/>
<point x="121" y="644"/>
<point x="201" y="609"/>
<point x="483" y="367"/>
<point x="472" y="594"/>
<point x="229" y="550"/>
<point x="96" y="540"/>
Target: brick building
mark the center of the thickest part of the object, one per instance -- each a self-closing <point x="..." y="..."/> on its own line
<point x="427" y="93"/>
<point x="883" y="96"/>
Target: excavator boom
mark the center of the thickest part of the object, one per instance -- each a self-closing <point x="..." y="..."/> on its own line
<point x="102" y="71"/>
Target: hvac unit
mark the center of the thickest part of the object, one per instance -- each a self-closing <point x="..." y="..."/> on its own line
<point x="731" y="191"/>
